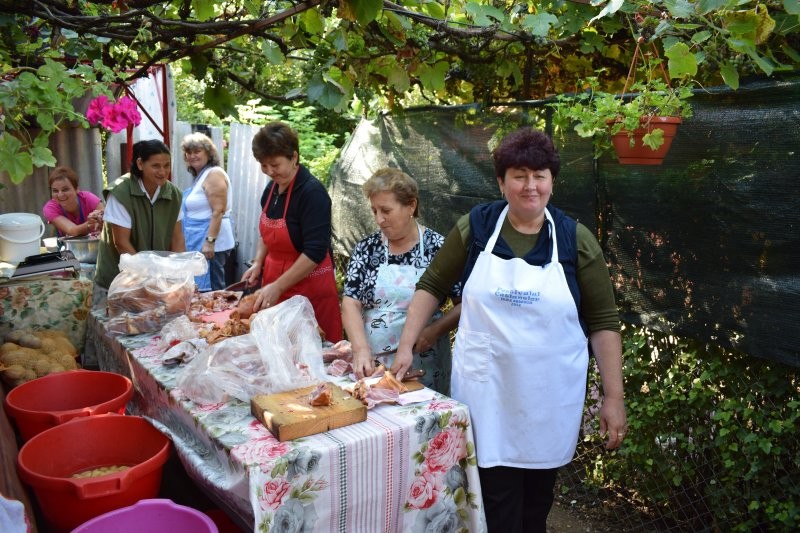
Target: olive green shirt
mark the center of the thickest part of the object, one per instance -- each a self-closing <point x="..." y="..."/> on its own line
<point x="152" y="224"/>
<point x="598" y="306"/>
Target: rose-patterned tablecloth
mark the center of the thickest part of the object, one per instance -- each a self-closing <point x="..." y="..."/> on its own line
<point x="406" y="468"/>
<point x="61" y="304"/>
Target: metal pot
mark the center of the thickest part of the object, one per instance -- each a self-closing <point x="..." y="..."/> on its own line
<point x="83" y="248"/>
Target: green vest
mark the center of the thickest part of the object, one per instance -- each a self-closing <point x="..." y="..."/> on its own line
<point x="152" y="225"/>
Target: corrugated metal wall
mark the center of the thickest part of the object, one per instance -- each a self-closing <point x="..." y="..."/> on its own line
<point x="74" y="147"/>
<point x="248" y="183"/>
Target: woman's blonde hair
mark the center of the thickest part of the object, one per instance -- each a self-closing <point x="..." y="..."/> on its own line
<point x="200" y="141"/>
<point x="395" y="181"/>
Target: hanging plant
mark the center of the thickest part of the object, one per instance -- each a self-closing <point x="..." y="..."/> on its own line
<point x="645" y="119"/>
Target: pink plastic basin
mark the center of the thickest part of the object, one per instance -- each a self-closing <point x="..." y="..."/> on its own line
<point x="152" y="516"/>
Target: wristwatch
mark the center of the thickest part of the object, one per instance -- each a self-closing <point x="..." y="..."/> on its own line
<point x="212" y="240"/>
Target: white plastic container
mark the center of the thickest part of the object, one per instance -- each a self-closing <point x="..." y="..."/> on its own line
<point x="19" y="236"/>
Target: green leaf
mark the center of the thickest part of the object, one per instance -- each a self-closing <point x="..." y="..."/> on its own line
<point x="320" y="90"/>
<point x="484" y="15"/>
<point x="654" y="139"/>
<point x="361" y="11"/>
<point x="679" y="8"/>
<point x="199" y="64"/>
<point x="220" y="101"/>
<point x="730" y="75"/>
<point x="792" y="6"/>
<point x="701" y="36"/>
<point x="432" y="78"/>
<point x="539" y="24"/>
<point x="682" y="62"/>
<point x="41" y="155"/>
<point x="707" y="6"/>
<point x="253" y="7"/>
<point x="340" y="40"/>
<point x="763" y="63"/>
<point x="791" y="52"/>
<point x="204" y="9"/>
<point x="13" y="159"/>
<point x="742" y="23"/>
<point x="312" y="21"/>
<point x="398" y="79"/>
<point x="272" y="52"/>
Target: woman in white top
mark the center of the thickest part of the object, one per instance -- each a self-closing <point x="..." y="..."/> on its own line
<point x="206" y="209"/>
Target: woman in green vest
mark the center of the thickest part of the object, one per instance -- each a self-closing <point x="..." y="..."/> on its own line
<point x="143" y="211"/>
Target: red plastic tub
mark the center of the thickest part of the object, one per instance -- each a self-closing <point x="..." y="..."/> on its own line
<point x="51" y="400"/>
<point x="49" y="461"/>
<point x="152" y="516"/>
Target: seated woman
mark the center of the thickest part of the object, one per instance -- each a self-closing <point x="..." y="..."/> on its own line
<point x="143" y="212"/>
<point x="382" y="276"/>
<point x="71" y="211"/>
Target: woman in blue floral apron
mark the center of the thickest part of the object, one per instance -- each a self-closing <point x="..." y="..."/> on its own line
<point x="381" y="279"/>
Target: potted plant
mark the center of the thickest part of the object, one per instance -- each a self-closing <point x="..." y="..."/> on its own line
<point x="639" y="125"/>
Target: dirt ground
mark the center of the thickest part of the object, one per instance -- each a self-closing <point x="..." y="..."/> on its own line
<point x="561" y="519"/>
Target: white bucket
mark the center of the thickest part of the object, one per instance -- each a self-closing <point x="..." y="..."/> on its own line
<point x="19" y="236"/>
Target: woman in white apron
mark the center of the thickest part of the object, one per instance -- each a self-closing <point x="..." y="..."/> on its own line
<point x="206" y="209"/>
<point x="521" y="353"/>
<point x="381" y="279"/>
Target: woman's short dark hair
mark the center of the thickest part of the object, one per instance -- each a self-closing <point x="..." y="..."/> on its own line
<point x="64" y="173"/>
<point x="395" y="181"/>
<point x="199" y="141"/>
<point x="526" y="147"/>
<point x="274" y="139"/>
<point x="144" y="150"/>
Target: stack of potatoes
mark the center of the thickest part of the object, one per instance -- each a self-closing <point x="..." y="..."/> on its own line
<point x="28" y="354"/>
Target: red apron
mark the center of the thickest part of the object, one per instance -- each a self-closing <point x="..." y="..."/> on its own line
<point x="319" y="286"/>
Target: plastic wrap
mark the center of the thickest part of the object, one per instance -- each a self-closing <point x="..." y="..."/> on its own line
<point x="151" y="289"/>
<point x="283" y="351"/>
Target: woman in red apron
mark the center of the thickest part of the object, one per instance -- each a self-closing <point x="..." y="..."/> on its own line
<point x="293" y="256"/>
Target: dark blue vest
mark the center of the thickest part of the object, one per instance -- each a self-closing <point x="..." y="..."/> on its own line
<point x="482" y="220"/>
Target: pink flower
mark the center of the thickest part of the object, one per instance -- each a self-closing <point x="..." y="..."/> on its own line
<point x="113" y="117"/>
<point x="258" y="450"/>
<point x="441" y="405"/>
<point x="274" y="491"/>
<point x="424" y="491"/>
<point x="446" y="449"/>
<point x="113" y="120"/>
<point x="129" y="109"/>
<point x="97" y="108"/>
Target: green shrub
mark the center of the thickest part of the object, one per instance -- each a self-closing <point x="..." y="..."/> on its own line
<point x="713" y="439"/>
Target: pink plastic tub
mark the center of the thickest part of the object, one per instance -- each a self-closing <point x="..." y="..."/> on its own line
<point x="153" y="516"/>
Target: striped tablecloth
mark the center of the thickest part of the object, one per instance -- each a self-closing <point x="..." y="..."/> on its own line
<point x="406" y="468"/>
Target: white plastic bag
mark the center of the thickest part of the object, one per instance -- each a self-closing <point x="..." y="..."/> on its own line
<point x="288" y="339"/>
<point x="283" y="351"/>
<point x="151" y="289"/>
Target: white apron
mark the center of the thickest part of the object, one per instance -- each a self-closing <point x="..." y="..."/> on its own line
<point x="383" y="323"/>
<point x="520" y="360"/>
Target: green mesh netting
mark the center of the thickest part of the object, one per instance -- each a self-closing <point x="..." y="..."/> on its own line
<point x="705" y="245"/>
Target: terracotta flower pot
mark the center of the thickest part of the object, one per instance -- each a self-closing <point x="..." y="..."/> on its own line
<point x="639" y="154"/>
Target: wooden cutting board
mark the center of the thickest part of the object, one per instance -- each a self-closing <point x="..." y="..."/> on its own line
<point x="288" y="415"/>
